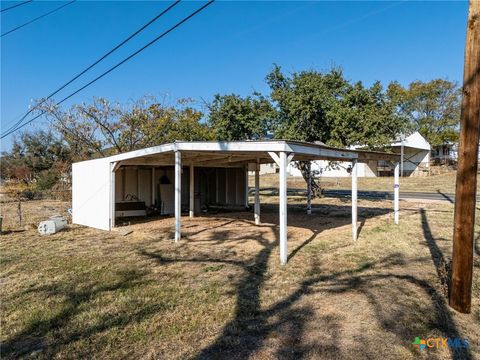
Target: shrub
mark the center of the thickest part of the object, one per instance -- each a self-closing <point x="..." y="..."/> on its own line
<point x="46" y="180"/>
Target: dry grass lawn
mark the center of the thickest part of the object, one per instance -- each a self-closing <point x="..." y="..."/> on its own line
<point x="444" y="183"/>
<point x="221" y="293"/>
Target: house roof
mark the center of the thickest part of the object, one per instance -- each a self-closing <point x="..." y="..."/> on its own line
<point x="415" y="141"/>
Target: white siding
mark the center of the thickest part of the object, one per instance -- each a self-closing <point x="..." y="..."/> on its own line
<point x="131" y="182"/>
<point x="91" y="193"/>
<point x="336" y="169"/>
<point x="268" y="168"/>
<point x="416" y="161"/>
<point x="369" y="168"/>
<point x="145" y="186"/>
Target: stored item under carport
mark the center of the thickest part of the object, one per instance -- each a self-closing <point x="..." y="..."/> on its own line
<point x="130" y="208"/>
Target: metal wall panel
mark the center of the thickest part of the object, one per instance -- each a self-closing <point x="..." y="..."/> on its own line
<point x="145" y="185"/>
<point x="91" y="187"/>
<point x="221" y="186"/>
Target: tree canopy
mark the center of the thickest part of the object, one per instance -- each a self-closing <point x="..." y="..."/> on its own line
<point x="99" y="128"/>
<point x="103" y="128"/>
<point x="315" y="106"/>
<point x="38" y="155"/>
<point x="235" y="118"/>
<point x="432" y="108"/>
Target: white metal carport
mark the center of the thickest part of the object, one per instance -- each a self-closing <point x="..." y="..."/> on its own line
<point x="93" y="189"/>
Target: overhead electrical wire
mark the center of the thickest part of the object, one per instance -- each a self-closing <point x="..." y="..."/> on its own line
<point x="116" y="66"/>
<point x="37" y="18"/>
<point x="16" y="5"/>
<point x="159" y="15"/>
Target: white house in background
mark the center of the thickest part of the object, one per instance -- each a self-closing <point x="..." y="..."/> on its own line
<point x="416" y="162"/>
<point x="269" y="169"/>
<point x="416" y="155"/>
<point x="445" y="154"/>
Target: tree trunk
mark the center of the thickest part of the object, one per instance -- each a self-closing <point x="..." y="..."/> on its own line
<point x="306" y="170"/>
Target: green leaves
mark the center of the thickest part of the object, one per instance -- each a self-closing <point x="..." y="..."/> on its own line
<point x="432" y="108"/>
<point x="315" y="106"/>
<point x="235" y="118"/>
<point x="104" y="128"/>
<point x="100" y="128"/>
<point x="152" y="124"/>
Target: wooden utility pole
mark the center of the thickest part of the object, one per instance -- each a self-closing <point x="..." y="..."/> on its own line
<point x="465" y="195"/>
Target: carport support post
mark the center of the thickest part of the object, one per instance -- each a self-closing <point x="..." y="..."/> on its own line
<point x="396" y="193"/>
<point x="153" y="187"/>
<point x="192" y="190"/>
<point x="309" y="189"/>
<point x="354" y="200"/>
<point x="246" y="187"/>
<point x="283" y="207"/>
<point x="178" y="193"/>
<point x="257" y="194"/>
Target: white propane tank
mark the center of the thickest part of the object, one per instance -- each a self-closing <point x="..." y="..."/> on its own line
<point x="52" y="225"/>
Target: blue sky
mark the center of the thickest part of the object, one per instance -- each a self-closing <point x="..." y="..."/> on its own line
<point x="228" y="48"/>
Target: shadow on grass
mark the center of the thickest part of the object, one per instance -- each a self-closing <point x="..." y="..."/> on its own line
<point x="35" y="339"/>
<point x="328" y="216"/>
<point x="442" y="266"/>
<point x="8" y="232"/>
<point x="383" y="283"/>
<point x="253" y="325"/>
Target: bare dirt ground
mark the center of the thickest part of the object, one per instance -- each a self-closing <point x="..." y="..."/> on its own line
<point x="221" y="292"/>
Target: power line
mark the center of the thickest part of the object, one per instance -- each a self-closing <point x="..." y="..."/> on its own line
<point x="18" y="122"/>
<point x="117" y="65"/>
<point x="37" y="18"/>
<point x="14" y="6"/>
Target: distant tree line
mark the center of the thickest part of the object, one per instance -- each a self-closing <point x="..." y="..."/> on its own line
<point x="307" y="105"/>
